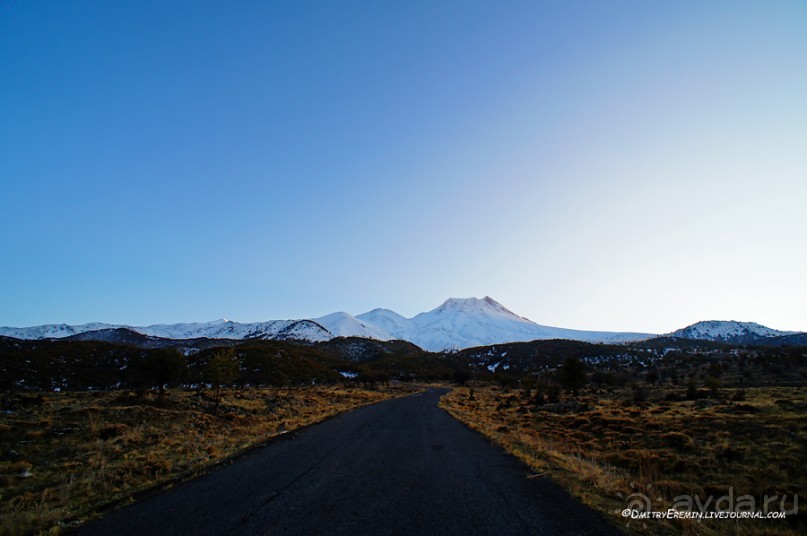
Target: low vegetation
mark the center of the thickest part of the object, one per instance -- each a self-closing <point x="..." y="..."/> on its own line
<point x="65" y="455"/>
<point x="666" y="443"/>
<point x="86" y="425"/>
<point x="48" y="365"/>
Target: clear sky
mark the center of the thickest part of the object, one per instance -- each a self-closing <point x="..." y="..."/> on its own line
<point x="595" y="165"/>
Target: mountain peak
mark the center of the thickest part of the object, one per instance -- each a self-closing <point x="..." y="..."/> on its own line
<point x="380" y="311"/>
<point x="389" y="321"/>
<point x="485" y="305"/>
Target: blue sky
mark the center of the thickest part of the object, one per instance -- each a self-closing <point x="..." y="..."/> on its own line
<point x="595" y="165"/>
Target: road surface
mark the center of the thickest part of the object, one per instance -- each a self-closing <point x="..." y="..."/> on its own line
<point x="403" y="466"/>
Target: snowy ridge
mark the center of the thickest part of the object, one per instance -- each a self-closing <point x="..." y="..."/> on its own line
<point x="218" y="329"/>
<point x="226" y="329"/>
<point x="54" y="331"/>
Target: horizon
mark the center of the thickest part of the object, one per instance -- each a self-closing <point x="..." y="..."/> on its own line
<point x="407" y="317"/>
<point x="594" y="167"/>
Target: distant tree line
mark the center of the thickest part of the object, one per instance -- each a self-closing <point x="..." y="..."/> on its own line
<point x="543" y="367"/>
<point x="81" y="365"/>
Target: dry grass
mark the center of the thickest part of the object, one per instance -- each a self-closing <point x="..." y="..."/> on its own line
<point x="65" y="455"/>
<point x="603" y="449"/>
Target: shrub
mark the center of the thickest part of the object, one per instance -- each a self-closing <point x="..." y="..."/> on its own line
<point x="640" y="394"/>
<point x="677" y="440"/>
<point x="572" y="375"/>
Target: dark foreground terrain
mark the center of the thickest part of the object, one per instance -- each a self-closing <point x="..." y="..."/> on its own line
<point x="402" y="466"/>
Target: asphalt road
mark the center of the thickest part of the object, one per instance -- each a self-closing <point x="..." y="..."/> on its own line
<point x="403" y="466"/>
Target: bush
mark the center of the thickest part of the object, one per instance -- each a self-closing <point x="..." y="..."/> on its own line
<point x="640" y="394"/>
<point x="677" y="440"/>
<point x="692" y="390"/>
<point x="572" y="375"/>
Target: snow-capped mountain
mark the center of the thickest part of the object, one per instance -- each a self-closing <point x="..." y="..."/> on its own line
<point x="728" y="331"/>
<point x="458" y="323"/>
<point x="464" y="323"/>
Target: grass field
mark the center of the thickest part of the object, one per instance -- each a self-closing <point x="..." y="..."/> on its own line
<point x="64" y="456"/>
<point x="606" y="448"/>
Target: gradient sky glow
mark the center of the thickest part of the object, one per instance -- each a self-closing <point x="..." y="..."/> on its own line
<point x="627" y="166"/>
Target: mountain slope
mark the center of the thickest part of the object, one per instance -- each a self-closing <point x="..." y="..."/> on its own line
<point x="118" y="336"/>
